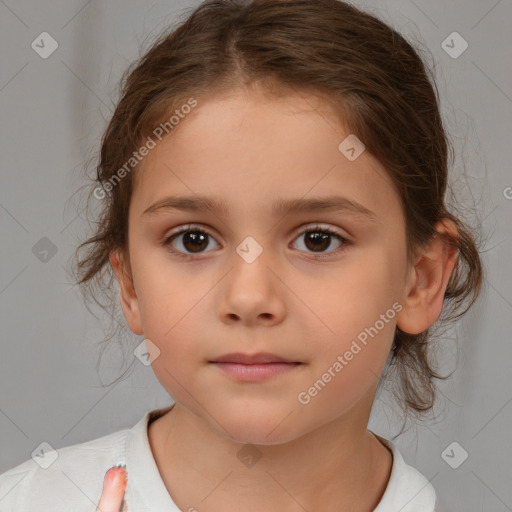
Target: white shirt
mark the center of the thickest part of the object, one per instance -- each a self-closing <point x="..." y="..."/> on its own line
<point x="73" y="482"/>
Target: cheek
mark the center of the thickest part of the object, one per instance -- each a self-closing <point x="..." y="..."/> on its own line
<point x="177" y="328"/>
<point x="166" y="302"/>
<point x="347" y="362"/>
<point x="175" y="306"/>
<point x="358" y="307"/>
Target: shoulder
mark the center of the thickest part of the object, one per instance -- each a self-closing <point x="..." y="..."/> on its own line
<point x="71" y="476"/>
<point x="408" y="490"/>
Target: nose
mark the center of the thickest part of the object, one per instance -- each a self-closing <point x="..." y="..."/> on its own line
<point x="252" y="294"/>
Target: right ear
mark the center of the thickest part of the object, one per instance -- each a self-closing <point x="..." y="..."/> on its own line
<point x="129" y="301"/>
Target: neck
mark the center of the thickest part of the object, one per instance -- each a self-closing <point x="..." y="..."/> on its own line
<point x="333" y="467"/>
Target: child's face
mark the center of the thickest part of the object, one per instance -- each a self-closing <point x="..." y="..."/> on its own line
<point x="250" y="152"/>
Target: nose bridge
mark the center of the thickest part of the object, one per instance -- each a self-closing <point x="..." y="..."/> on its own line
<point x="252" y="261"/>
<point x="259" y="249"/>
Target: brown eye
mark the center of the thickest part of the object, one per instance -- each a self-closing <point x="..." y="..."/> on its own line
<point x="189" y="241"/>
<point x="318" y="240"/>
<point x="194" y="241"/>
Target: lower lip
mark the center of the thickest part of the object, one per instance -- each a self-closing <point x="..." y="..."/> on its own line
<point x="255" y="372"/>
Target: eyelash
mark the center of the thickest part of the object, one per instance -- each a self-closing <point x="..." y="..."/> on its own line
<point x="167" y="242"/>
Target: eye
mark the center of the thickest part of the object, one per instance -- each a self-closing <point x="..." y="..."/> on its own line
<point x="196" y="240"/>
<point x="318" y="239"/>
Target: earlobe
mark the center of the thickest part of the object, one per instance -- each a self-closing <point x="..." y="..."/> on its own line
<point x="128" y="297"/>
<point x="428" y="281"/>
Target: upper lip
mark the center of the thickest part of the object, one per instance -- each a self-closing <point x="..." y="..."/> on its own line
<point x="259" y="358"/>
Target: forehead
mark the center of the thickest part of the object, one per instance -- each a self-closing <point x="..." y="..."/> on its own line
<point x="250" y="148"/>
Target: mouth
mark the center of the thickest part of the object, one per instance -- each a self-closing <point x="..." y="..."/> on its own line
<point x="254" y="367"/>
<point x="259" y="358"/>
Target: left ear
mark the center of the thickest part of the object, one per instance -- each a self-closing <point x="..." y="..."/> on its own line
<point x="428" y="279"/>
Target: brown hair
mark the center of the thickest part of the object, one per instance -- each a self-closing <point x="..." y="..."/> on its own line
<point x="366" y="70"/>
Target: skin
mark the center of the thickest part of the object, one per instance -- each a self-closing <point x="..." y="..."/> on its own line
<point x="250" y="149"/>
<point x="114" y="487"/>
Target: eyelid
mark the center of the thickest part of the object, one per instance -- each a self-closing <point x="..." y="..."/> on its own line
<point x="321" y="227"/>
<point x="189" y="227"/>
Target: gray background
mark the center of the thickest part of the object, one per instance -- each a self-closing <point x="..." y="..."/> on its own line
<point x="53" y="112"/>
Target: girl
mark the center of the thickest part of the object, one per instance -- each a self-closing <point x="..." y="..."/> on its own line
<point x="272" y="189"/>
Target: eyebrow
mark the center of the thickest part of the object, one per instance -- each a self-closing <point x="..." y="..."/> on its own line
<point x="280" y="208"/>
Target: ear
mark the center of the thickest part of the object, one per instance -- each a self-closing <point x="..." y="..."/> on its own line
<point x="427" y="282"/>
<point x="129" y="301"/>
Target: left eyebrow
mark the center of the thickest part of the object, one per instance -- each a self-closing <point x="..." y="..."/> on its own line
<point x="280" y="208"/>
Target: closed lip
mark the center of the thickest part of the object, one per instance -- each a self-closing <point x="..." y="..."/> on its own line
<point x="259" y="358"/>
